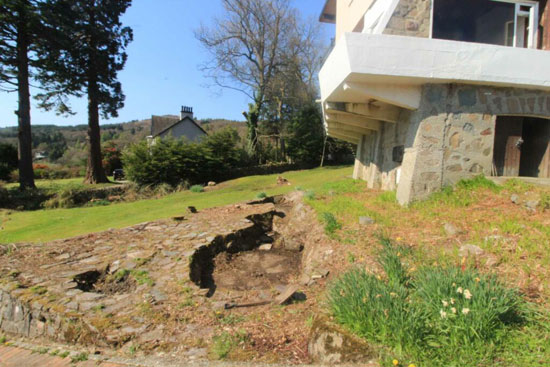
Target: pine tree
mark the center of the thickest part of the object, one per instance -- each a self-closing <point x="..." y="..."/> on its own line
<point x="18" y="29"/>
<point x="90" y="53"/>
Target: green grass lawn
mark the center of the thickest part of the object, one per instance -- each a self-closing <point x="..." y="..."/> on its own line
<point x="57" y="184"/>
<point x="47" y="225"/>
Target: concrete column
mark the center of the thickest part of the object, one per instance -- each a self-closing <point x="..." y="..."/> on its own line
<point x="358" y="167"/>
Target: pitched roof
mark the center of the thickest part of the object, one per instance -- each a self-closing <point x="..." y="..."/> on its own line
<point x="161" y="123"/>
<point x="178" y="122"/>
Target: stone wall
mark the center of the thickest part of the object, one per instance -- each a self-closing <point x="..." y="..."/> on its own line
<point x="411" y="18"/>
<point x="451" y="135"/>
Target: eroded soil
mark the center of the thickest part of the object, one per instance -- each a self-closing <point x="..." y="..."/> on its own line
<point x="164" y="286"/>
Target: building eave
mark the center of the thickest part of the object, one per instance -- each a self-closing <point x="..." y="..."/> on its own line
<point x="328" y="15"/>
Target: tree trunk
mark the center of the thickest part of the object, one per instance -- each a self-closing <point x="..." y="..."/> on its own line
<point x="26" y="174"/>
<point x="94" y="170"/>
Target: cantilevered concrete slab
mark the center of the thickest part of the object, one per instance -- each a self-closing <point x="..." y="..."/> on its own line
<point x="393" y="68"/>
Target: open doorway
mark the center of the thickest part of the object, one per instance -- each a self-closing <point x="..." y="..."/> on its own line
<point x="522" y="147"/>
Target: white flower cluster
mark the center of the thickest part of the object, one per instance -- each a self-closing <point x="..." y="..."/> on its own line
<point x="467" y="295"/>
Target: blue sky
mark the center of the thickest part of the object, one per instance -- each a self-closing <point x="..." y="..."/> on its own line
<point x="162" y="69"/>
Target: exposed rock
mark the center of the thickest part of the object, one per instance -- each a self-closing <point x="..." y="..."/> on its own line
<point x="515" y="199"/>
<point x="293" y="244"/>
<point x="320" y="273"/>
<point x="211" y="183"/>
<point x="286" y="295"/>
<point x="158" y="296"/>
<point x="282" y="181"/>
<point x="450" y="229"/>
<point x="467" y="250"/>
<point x="331" y="344"/>
<point x="532" y="205"/>
<point x="364" y="221"/>
<point x="265" y="247"/>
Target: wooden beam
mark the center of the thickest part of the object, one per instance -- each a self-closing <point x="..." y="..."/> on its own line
<point x="356" y="120"/>
<point x="387" y="113"/>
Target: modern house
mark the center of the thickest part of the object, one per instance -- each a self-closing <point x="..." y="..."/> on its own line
<point x="433" y="91"/>
<point x="183" y="126"/>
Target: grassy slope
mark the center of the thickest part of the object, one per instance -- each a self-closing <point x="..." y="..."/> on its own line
<point x="46" y="225"/>
<point x="55" y="184"/>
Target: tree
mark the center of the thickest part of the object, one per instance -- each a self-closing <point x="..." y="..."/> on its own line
<point x="18" y="28"/>
<point x="89" y="54"/>
<point x="247" y="51"/>
<point x="305" y="143"/>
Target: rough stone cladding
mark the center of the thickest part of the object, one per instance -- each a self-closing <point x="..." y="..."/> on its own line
<point x="451" y="135"/>
<point x="411" y="18"/>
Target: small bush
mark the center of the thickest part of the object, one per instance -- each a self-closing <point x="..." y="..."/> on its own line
<point x="261" y="195"/>
<point x="439" y="316"/>
<point x="197" y="188"/>
<point x="331" y="224"/>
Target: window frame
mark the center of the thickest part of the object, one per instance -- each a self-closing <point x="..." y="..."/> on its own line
<point x="533" y="18"/>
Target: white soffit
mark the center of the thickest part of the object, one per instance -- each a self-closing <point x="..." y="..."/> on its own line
<point x="405" y="62"/>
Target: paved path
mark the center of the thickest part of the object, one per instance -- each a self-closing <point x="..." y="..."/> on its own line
<point x="17" y="357"/>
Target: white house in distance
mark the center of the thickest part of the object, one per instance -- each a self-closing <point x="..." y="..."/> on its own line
<point x="177" y="128"/>
<point x="433" y="91"/>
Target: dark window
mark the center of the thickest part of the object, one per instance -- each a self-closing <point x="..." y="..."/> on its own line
<point x="481" y="21"/>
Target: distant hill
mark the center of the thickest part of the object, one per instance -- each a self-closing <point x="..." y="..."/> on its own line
<point x="57" y="141"/>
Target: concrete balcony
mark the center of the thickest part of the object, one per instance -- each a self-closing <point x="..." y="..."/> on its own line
<point x="388" y="70"/>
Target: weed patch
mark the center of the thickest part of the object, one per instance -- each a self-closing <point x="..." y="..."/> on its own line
<point x="197" y="188"/>
<point x="224" y="343"/>
<point x="331" y="224"/>
<point x="142" y="277"/>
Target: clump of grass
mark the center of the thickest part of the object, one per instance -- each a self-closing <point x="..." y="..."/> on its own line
<point x="142" y="277"/>
<point x="342" y="187"/>
<point x="478" y="182"/>
<point x="38" y="289"/>
<point x="197" y="188"/>
<point x="387" y="197"/>
<point x="222" y="345"/>
<point x="544" y="203"/>
<point x="331" y="224"/>
<point x="3" y="339"/>
<point x="230" y="319"/>
<point x="261" y="195"/>
<point x="299" y="188"/>
<point x="309" y="195"/>
<point x="121" y="274"/>
<point x="80" y="357"/>
<point x="440" y="316"/>
<point x="517" y="186"/>
<point x="64" y="354"/>
<point x="462" y="195"/>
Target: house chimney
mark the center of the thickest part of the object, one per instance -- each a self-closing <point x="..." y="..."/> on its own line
<point x="186" y="112"/>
